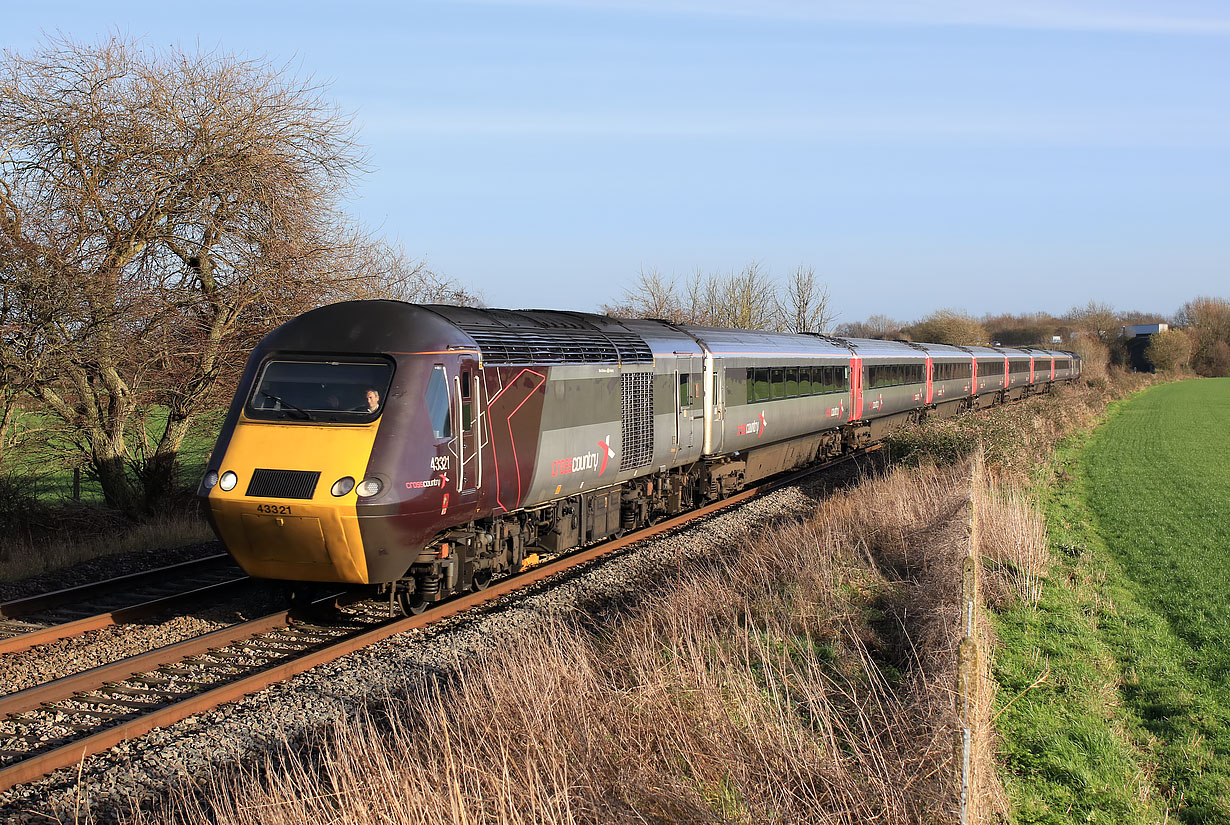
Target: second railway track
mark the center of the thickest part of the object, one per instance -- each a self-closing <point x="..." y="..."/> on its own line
<point x="62" y="614"/>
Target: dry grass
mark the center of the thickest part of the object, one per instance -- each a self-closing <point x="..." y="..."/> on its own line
<point x="91" y="535"/>
<point x="809" y="679"/>
<point x="1012" y="542"/>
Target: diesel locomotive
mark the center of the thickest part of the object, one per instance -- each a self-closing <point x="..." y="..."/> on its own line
<point x="423" y="450"/>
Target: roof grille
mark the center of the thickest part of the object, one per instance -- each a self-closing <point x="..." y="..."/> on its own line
<point x="283" y="483"/>
<point x="502" y="345"/>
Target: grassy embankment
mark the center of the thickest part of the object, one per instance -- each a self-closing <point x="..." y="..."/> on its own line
<point x="1116" y="688"/>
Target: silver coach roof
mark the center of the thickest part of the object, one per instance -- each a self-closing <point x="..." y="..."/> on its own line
<point x="738" y="342"/>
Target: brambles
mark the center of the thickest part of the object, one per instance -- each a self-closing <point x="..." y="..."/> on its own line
<point x="1015" y="437"/>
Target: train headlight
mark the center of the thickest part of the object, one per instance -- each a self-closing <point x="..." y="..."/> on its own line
<point x="369" y="487"/>
<point x="211" y="479"/>
<point x="228" y="480"/>
<point x="342" y="486"/>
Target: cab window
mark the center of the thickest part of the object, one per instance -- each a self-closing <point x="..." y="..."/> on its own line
<point x="437" y="403"/>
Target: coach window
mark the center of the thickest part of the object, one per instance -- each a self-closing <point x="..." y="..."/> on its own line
<point x="777" y="382"/>
<point x="685" y="389"/>
<point x="762" y="385"/>
<point x="437" y="403"/>
<point x="792" y="381"/>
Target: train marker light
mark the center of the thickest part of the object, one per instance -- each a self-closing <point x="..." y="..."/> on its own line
<point x="369" y="487"/>
<point x="211" y="480"/>
<point x="342" y="486"/>
<point x="228" y="481"/>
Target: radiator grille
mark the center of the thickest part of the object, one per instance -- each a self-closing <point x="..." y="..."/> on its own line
<point x="637" y="409"/>
<point x="283" y="483"/>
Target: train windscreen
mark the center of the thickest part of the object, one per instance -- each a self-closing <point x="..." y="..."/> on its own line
<point x="329" y="391"/>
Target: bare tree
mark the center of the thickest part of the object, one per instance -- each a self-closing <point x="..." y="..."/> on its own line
<point x="947" y="326"/>
<point x="158" y="211"/>
<point x="702" y="302"/>
<point x="1207" y="320"/>
<point x="651" y="296"/>
<point x="388" y="271"/>
<point x="805" y="307"/>
<point x="746" y="299"/>
<point x="1099" y="319"/>
<point x="12" y="377"/>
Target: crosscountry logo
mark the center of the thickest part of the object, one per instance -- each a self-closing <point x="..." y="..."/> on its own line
<point x="585" y="461"/>
<point x="607" y="452"/>
<point x="757" y="427"/>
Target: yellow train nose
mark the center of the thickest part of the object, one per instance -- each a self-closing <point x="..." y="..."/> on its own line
<point x="281" y="519"/>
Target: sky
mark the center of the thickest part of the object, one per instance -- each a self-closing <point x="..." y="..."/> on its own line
<point x="969" y="154"/>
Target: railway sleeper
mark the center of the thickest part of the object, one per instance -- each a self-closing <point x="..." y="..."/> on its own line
<point x="104" y="715"/>
<point x="108" y="701"/>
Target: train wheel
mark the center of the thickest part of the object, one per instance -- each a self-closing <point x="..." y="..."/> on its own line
<point x="412" y="604"/>
<point x="481" y="580"/>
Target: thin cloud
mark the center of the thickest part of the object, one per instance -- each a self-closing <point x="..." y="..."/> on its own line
<point x="1176" y="18"/>
<point x="1170" y="129"/>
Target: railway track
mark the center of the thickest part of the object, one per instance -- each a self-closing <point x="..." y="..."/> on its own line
<point x="57" y="724"/>
<point x="63" y="614"/>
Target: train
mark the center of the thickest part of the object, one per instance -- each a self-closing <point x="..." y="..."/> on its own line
<point x="421" y="450"/>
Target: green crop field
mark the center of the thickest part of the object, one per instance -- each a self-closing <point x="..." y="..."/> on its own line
<point x="1115" y="691"/>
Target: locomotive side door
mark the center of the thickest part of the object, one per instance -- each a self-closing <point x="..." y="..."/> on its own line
<point x="467" y="403"/>
<point x="689" y="403"/>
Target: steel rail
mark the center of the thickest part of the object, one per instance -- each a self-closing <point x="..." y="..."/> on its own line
<point x="66" y="630"/>
<point x="68" y="686"/>
<point x="73" y="753"/>
<point x="16" y="608"/>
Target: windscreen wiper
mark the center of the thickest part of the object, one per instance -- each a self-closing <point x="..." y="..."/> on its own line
<point x="307" y="416"/>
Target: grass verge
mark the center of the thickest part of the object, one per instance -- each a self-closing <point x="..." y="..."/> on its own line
<point x="1120" y="673"/>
